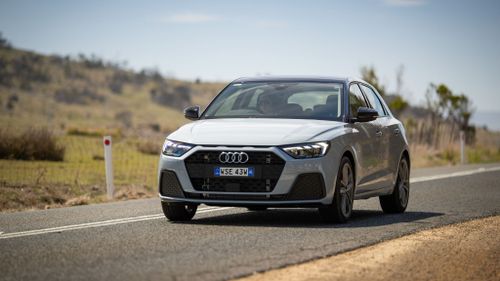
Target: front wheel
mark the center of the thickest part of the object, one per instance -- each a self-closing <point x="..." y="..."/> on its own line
<point x="178" y="211"/>
<point x="341" y="208"/>
<point x="397" y="201"/>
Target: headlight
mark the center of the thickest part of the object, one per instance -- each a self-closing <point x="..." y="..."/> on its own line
<point x="173" y="148"/>
<point x="310" y="150"/>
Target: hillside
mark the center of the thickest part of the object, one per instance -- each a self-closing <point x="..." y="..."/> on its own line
<point x="68" y="104"/>
<point x="86" y="93"/>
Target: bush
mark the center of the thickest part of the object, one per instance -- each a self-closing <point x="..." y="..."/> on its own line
<point x="178" y="97"/>
<point x="33" y="144"/>
<point x="94" y="132"/>
<point x="449" y="155"/>
<point x="149" y="147"/>
<point x="125" y="117"/>
<point x="74" y="95"/>
<point x="4" y="43"/>
<point x="118" y="79"/>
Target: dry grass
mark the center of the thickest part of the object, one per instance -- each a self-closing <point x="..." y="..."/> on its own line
<point x="440" y="145"/>
<point x="152" y="147"/>
<point x="425" y="156"/>
<point x="23" y="197"/>
<point x="37" y="184"/>
<point x="32" y="144"/>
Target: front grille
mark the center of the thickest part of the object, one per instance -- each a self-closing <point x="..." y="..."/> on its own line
<point x="267" y="170"/>
<point x="254" y="157"/>
<point x="308" y="186"/>
<point x="169" y="185"/>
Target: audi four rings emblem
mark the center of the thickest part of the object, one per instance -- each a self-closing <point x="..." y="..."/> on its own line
<point x="233" y="157"/>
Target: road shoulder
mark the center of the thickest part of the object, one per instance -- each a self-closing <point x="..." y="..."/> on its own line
<point x="464" y="251"/>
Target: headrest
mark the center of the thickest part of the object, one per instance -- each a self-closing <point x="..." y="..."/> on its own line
<point x="332" y="99"/>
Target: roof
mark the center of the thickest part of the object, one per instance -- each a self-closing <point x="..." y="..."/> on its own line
<point x="293" y="79"/>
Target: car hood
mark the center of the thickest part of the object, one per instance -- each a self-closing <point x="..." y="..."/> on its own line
<point x="255" y="131"/>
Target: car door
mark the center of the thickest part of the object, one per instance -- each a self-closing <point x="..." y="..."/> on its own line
<point x="384" y="135"/>
<point x="366" y="143"/>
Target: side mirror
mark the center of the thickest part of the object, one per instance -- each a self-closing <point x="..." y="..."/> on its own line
<point x="192" y="112"/>
<point x="366" y="114"/>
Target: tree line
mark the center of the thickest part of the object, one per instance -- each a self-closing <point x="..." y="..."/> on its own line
<point x="442" y="107"/>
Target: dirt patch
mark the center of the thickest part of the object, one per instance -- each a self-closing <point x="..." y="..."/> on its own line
<point x="24" y="197"/>
<point x="465" y="251"/>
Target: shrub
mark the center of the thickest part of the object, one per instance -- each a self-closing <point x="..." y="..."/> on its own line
<point x="149" y="147"/>
<point x="74" y="95"/>
<point x="94" y="132"/>
<point x="33" y="144"/>
<point x="449" y="155"/>
<point x="155" y="127"/>
<point x="118" y="79"/>
<point x="125" y="117"/>
<point x="178" y="97"/>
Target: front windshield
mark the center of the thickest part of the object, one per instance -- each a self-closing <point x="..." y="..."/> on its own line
<point x="299" y="100"/>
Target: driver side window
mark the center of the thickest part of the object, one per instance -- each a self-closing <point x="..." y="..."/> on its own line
<point x="356" y="99"/>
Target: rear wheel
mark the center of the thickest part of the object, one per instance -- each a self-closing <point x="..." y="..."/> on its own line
<point x="397" y="201"/>
<point x="257" y="208"/>
<point x="178" y="211"/>
<point x="341" y="208"/>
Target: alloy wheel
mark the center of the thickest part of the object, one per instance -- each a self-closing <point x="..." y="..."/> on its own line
<point x="346" y="190"/>
<point x="403" y="183"/>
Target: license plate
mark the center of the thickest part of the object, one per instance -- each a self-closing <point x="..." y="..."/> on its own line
<point x="233" y="172"/>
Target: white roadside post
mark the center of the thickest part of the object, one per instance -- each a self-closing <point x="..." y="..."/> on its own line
<point x="110" y="188"/>
<point x="462" y="147"/>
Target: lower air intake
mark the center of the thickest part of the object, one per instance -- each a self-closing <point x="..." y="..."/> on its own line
<point x="169" y="185"/>
<point x="309" y="186"/>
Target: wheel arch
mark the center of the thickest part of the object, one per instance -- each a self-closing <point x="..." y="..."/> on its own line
<point x="350" y="153"/>
<point x="406" y="154"/>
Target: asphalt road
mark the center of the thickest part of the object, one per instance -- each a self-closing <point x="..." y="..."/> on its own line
<point x="132" y="241"/>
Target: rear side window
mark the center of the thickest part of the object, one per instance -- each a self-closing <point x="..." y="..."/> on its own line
<point x="356" y="99"/>
<point x="374" y="100"/>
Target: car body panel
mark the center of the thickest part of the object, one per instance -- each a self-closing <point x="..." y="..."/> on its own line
<point x="255" y="131"/>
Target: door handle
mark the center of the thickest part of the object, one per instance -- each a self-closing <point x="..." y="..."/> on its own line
<point x="378" y="133"/>
<point x="396" y="132"/>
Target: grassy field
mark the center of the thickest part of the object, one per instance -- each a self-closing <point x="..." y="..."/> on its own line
<point x="84" y="165"/>
<point x="80" y="178"/>
<point x="486" y="149"/>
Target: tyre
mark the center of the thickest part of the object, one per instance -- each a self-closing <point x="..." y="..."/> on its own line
<point x="341" y="208"/>
<point x="178" y="211"/>
<point x="257" y="208"/>
<point x="397" y="201"/>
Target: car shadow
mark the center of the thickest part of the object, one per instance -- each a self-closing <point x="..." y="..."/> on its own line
<point x="309" y="218"/>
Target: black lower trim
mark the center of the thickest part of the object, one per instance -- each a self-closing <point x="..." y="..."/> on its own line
<point x="169" y="185"/>
<point x="308" y="186"/>
<point x="248" y="203"/>
<point x="207" y="196"/>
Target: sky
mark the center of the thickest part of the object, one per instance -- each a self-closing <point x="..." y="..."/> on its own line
<point x="440" y="41"/>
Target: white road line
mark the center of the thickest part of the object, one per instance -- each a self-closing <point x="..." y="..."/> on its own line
<point x="96" y="224"/>
<point x="455" y="174"/>
<point x="207" y="209"/>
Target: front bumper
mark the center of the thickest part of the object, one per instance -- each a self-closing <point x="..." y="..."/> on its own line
<point x="282" y="194"/>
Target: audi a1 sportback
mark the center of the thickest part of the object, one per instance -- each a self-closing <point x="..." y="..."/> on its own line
<point x="317" y="142"/>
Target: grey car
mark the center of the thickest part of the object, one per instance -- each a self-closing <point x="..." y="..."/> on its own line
<point x="317" y="142"/>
